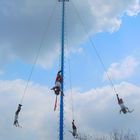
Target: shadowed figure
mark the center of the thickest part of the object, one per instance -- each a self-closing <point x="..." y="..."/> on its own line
<point x="124" y="109"/>
<point x="16" y="123"/>
<point x="74" y="130"/>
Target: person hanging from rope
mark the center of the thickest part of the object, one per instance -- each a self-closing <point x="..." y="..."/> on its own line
<point x="57" y="87"/>
<point x="16" y="123"/>
<point x="74" y="130"/>
<point x="124" y="109"/>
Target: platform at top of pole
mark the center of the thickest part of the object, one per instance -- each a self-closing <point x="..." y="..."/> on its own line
<point x="63" y="0"/>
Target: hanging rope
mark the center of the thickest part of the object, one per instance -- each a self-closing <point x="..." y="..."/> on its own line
<point x="38" y="52"/>
<point x="55" y="104"/>
<point x="96" y="51"/>
<point x="70" y="79"/>
<point x="59" y="63"/>
<point x="32" y="69"/>
<point x="124" y="109"/>
<point x="72" y="100"/>
<point x="59" y="48"/>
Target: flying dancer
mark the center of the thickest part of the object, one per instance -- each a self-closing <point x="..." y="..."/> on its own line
<point x="57" y="87"/>
<point x="16" y="123"/>
<point x="74" y="130"/>
<point x="124" y="109"/>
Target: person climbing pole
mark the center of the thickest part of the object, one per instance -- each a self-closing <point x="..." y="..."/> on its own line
<point x="74" y="130"/>
<point x="57" y="87"/>
<point x="124" y="109"/>
<point x="16" y="123"/>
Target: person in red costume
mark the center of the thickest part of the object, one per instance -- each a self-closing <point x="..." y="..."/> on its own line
<point x="58" y="81"/>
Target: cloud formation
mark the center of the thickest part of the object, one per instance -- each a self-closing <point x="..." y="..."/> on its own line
<point x="123" y="69"/>
<point x="23" y="25"/>
<point x="96" y="111"/>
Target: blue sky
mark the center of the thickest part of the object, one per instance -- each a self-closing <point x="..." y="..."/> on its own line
<point x="113" y="27"/>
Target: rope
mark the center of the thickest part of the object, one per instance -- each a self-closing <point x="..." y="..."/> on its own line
<point x="96" y="51"/>
<point x="70" y="79"/>
<point x="32" y="69"/>
<point x="59" y="61"/>
<point x="71" y="90"/>
<point x="38" y="52"/>
<point x="59" y="48"/>
<point x="55" y="104"/>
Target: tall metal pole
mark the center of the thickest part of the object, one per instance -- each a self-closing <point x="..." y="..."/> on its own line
<point x="62" y="73"/>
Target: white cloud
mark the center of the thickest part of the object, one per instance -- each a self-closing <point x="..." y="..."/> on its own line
<point x="23" y="24"/>
<point x="95" y="110"/>
<point x="121" y="70"/>
<point x="135" y="9"/>
<point x="37" y="111"/>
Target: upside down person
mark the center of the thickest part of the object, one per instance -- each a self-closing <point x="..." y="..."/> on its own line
<point x="124" y="109"/>
<point x="16" y="123"/>
<point x="57" y="87"/>
<point x="74" y="130"/>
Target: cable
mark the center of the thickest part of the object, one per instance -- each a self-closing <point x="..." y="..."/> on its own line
<point x="96" y="51"/>
<point x="70" y="79"/>
<point x="38" y="52"/>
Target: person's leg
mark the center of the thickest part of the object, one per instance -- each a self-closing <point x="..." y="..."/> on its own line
<point x="74" y="132"/>
<point x="16" y="123"/>
<point x="126" y="108"/>
<point x="130" y="111"/>
<point x="120" y="111"/>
